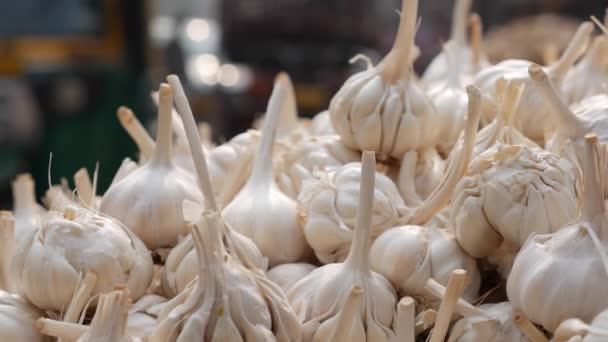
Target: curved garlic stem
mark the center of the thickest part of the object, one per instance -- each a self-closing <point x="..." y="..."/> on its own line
<point x="68" y="331"/>
<point x="7" y="247"/>
<point x="176" y="120"/>
<point x="441" y="195"/>
<point x="262" y="171"/>
<point x="567" y="122"/>
<point x="459" y="21"/>
<point x="433" y="288"/>
<point x="407" y="178"/>
<point x="24" y="195"/>
<point x="111" y="315"/>
<point x="456" y="284"/>
<point x="200" y="163"/>
<point x="84" y="187"/>
<point x="136" y="131"/>
<point x="570" y="328"/>
<point x="393" y="68"/>
<point x="405" y="323"/>
<point x="288" y="120"/>
<point x="531" y="332"/>
<point x="162" y="151"/>
<point x="358" y="256"/>
<point x="80" y="298"/>
<point x="550" y="53"/>
<point x="476" y="40"/>
<point x="575" y="49"/>
<point x="593" y="205"/>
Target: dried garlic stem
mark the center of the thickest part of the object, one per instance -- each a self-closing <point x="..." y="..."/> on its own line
<point x="459" y="21"/>
<point x="567" y="121"/>
<point x="433" y="288"/>
<point x="456" y="284"/>
<point x="575" y="49"/>
<point x="24" y="196"/>
<point x="476" y="40"/>
<point x="393" y="68"/>
<point x="200" y="162"/>
<point x="599" y="24"/>
<point x="570" y="328"/>
<point x="529" y="329"/>
<point x="405" y="324"/>
<point x="7" y="247"/>
<point x="550" y="53"/>
<point x="84" y="187"/>
<point x="425" y="320"/>
<point x="441" y="195"/>
<point x="68" y="331"/>
<point x="136" y="130"/>
<point x="593" y="194"/>
<point x="164" y="139"/>
<point x="80" y="298"/>
<point x="344" y="327"/>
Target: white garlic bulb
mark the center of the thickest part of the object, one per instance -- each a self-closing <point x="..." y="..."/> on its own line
<point x="286" y="275"/>
<point x="409" y="255"/>
<point x="226" y="300"/>
<point x="321" y="124"/>
<point x="261" y="211"/>
<point x="181" y="265"/>
<point x="17" y="320"/>
<point x="456" y="52"/>
<point x="149" y="199"/>
<point x="588" y="116"/>
<point x="537" y="286"/>
<point x="575" y="330"/>
<point x="321" y="295"/>
<point x="588" y="77"/>
<point x="532" y="117"/>
<point x="74" y="241"/>
<point x="311" y="154"/>
<point x="26" y="211"/>
<point x="382" y="109"/>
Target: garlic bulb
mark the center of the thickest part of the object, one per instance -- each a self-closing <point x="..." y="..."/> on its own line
<point x="409" y="255"/>
<point x="126" y="167"/>
<point x="494" y="324"/>
<point x="149" y="199"/>
<point x="588" y="77"/>
<point x="181" y="266"/>
<point x="382" y="109"/>
<point x="286" y="275"/>
<point x="7" y="247"/>
<point x="588" y="116"/>
<point x="456" y="52"/>
<point x="321" y="124"/>
<point x="226" y="301"/>
<point x="17" y="319"/>
<point x="532" y="117"/>
<point x="26" y="211"/>
<point x="537" y="285"/>
<point x="261" y="211"/>
<point x="573" y="329"/>
<point x="74" y="241"/>
<point x="323" y="293"/>
<point x="311" y="154"/>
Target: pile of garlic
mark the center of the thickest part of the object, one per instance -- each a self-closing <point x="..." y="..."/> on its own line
<point x="464" y="205"/>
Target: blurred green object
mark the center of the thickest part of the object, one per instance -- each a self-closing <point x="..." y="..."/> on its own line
<point x="83" y="139"/>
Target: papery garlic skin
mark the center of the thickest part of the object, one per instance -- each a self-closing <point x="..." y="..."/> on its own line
<point x="148" y="200"/>
<point x="496" y="326"/>
<point x="286" y="275"/>
<point x="409" y="255"/>
<point x="329" y="205"/>
<point x="588" y="77"/>
<point x="511" y="192"/>
<point x="561" y="275"/>
<point x="72" y="243"/>
<point x="17" y="320"/>
<point x="382" y="109"/>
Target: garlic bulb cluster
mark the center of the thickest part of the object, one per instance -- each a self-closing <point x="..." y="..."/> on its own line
<point x="588" y="77"/>
<point x="383" y="109"/>
<point x="148" y="200"/>
<point x="537" y="285"/>
<point x="73" y="242"/>
<point x="331" y="293"/>
<point x="261" y="211"/>
<point x="532" y="118"/>
<point x="17" y="320"/>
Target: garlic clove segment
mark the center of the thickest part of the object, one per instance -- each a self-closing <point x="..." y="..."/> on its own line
<point x="73" y="242"/>
<point x="17" y="320"/>
<point x="148" y="200"/>
<point x="261" y="211"/>
<point x="533" y="115"/>
<point x="537" y="286"/>
<point x="286" y="275"/>
<point x="322" y="294"/>
<point x="382" y="109"/>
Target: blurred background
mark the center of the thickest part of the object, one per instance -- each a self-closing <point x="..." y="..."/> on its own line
<point x="66" y="65"/>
